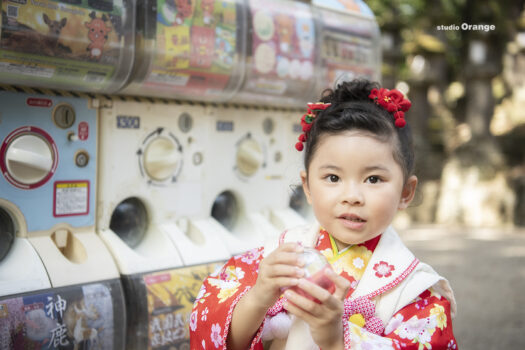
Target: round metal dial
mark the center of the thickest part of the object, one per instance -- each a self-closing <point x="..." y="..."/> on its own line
<point x="64" y="116"/>
<point x="29" y="159"/>
<point x="161" y="158"/>
<point x="249" y="157"/>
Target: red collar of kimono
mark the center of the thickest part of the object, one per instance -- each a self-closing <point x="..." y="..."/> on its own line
<point x="325" y="242"/>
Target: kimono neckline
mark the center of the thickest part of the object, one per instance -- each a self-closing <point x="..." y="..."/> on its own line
<point x="389" y="265"/>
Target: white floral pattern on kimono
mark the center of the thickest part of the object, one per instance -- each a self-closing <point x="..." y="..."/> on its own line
<point x="425" y="323"/>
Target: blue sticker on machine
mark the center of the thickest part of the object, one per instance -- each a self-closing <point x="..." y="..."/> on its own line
<point x="128" y="122"/>
<point x="224" y="125"/>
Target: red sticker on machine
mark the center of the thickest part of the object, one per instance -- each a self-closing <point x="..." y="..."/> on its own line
<point x="39" y="102"/>
<point x="83" y="131"/>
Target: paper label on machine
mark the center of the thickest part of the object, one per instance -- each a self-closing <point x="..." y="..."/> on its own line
<point x="26" y="69"/>
<point x="71" y="198"/>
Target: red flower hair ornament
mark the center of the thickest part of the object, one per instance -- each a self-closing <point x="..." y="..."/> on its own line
<point x="394" y="102"/>
<point x="391" y="100"/>
<point x="307" y="120"/>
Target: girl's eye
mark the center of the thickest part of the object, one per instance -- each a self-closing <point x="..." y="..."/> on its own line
<point x="373" y="179"/>
<point x="332" y="178"/>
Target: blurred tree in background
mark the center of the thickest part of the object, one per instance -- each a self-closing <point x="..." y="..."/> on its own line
<point x="454" y="77"/>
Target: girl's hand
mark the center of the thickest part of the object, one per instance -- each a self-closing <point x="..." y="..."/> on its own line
<point x="324" y="318"/>
<point x="280" y="269"/>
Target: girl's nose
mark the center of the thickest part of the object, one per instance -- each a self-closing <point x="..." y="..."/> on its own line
<point x="353" y="195"/>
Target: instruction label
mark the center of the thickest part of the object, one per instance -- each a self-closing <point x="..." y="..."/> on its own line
<point x="71" y="198"/>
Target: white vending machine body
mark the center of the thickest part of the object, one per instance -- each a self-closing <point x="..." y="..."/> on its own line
<point x="151" y="169"/>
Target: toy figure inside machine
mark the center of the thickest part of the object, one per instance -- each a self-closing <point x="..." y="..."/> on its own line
<point x="59" y="286"/>
<point x="281" y="53"/>
<point x="189" y="49"/>
<point x="84" y="45"/>
<point x="350" y="40"/>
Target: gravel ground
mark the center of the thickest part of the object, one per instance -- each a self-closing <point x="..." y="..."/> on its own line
<point x="486" y="269"/>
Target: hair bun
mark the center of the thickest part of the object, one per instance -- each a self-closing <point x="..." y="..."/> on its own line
<point x="351" y="91"/>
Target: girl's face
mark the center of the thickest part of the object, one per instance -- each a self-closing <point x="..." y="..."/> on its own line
<point x="355" y="186"/>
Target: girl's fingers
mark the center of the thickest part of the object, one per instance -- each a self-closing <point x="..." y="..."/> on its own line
<point x="314" y="290"/>
<point x="324" y="296"/>
<point x="292" y="257"/>
<point x="342" y="285"/>
<point x="301" y="303"/>
<point x="280" y="270"/>
<point x="289" y="258"/>
<point x="291" y="247"/>
<point x="284" y="282"/>
<point x="297" y="311"/>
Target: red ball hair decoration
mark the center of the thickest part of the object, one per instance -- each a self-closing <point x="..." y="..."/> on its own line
<point x="394" y="102"/>
<point x="307" y="119"/>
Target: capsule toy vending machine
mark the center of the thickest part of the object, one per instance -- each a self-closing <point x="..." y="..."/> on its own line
<point x="233" y="156"/>
<point x="60" y="287"/>
<point x="248" y="191"/>
<point x="22" y="272"/>
<point x="351" y="46"/>
<point x="48" y="159"/>
<point x="150" y="165"/>
<point x="195" y="51"/>
<point x="151" y="193"/>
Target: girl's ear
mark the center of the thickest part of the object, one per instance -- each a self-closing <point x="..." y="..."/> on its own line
<point x="306" y="189"/>
<point x="409" y="190"/>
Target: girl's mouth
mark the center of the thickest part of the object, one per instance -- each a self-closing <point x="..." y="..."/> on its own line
<point x="352" y="222"/>
<point x="351" y="217"/>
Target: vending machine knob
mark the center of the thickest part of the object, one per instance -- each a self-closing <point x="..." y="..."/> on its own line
<point x="249" y="157"/>
<point x="71" y="136"/>
<point x="64" y="116"/>
<point x="161" y="159"/>
<point x="29" y="159"/>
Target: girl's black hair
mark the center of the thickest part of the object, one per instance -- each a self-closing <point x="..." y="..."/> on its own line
<point x="352" y="109"/>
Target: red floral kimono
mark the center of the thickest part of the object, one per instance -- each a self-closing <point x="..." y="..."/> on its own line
<point x="425" y="323"/>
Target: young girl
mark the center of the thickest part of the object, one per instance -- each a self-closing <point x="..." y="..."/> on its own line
<point x="359" y="166"/>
